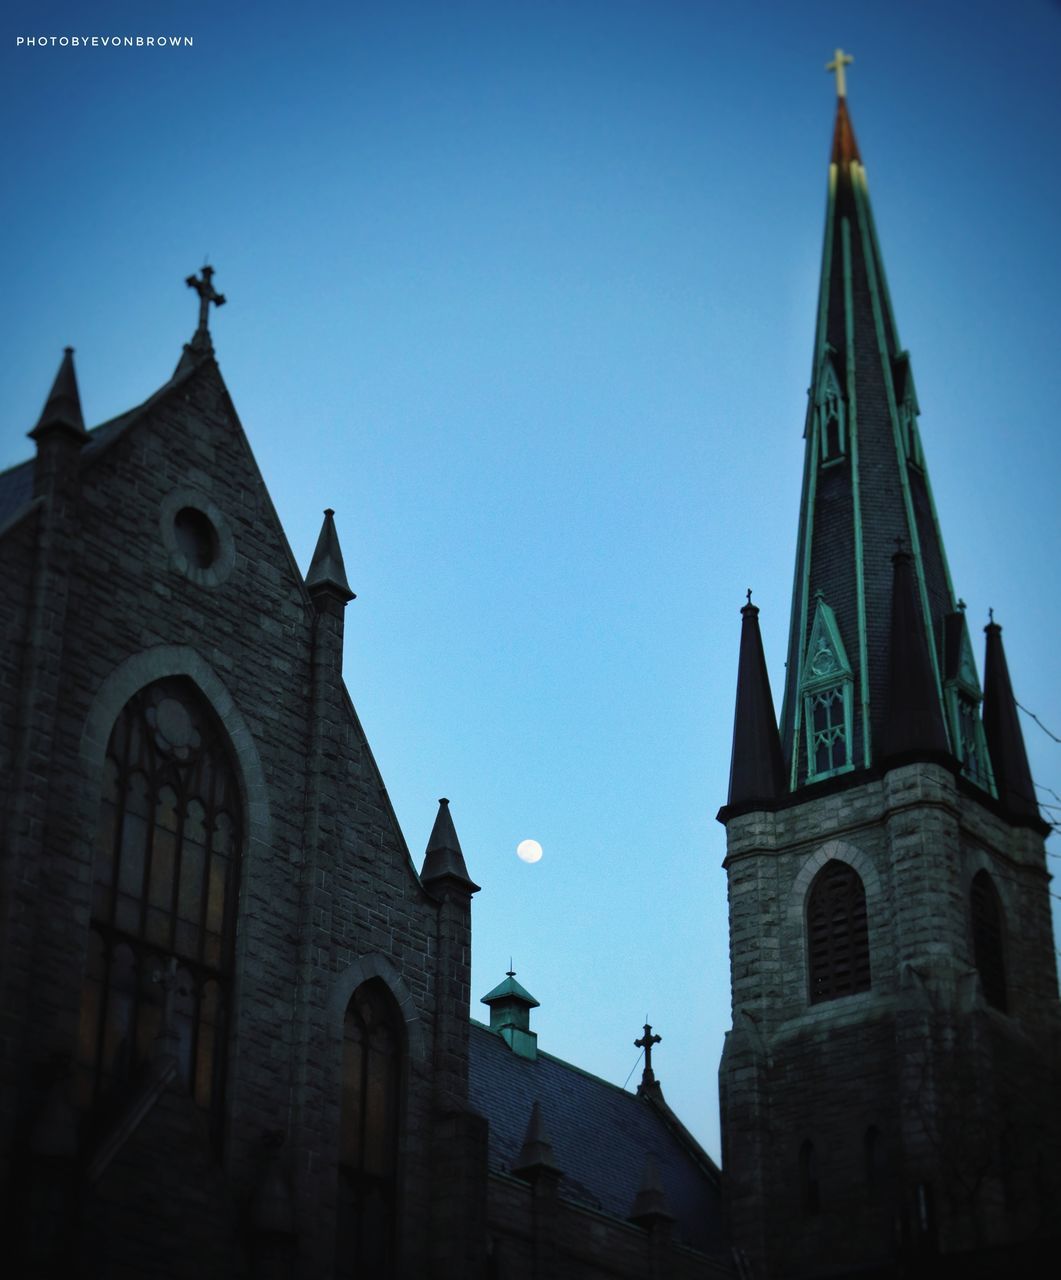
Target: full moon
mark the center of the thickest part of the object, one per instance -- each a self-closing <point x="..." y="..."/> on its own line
<point x="529" y="851"/>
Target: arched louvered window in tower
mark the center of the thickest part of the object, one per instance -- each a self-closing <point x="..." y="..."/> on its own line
<point x="373" y="1051"/>
<point x="837" y="934"/>
<point x="165" y="886"/>
<point x="988" y="945"/>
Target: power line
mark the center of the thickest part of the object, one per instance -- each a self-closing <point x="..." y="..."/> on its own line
<point x="1042" y="726"/>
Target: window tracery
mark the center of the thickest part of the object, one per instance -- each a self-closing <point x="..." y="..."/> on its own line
<point x="165" y="885"/>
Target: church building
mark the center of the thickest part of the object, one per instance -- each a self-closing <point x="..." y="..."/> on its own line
<point x="235" y="1012"/>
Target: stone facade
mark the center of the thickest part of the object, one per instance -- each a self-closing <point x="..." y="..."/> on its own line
<point x="960" y="1097"/>
<point x="145" y="569"/>
<point x="100" y="601"/>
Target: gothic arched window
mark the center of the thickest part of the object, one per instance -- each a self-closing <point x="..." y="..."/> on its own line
<point x="837" y="933"/>
<point x="165" y="886"/>
<point x="832" y="425"/>
<point x="373" y="1038"/>
<point x="988" y="940"/>
<point x="827" y="686"/>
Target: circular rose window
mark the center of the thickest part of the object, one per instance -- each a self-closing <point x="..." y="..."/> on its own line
<point x="196" y="537"/>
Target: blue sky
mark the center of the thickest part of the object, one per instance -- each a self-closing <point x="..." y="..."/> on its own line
<point x="526" y="291"/>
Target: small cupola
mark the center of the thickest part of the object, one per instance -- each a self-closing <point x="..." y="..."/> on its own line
<point x="510" y="1005"/>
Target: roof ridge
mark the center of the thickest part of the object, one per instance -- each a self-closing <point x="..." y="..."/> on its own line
<point x="123" y="422"/>
<point x="543" y="1053"/>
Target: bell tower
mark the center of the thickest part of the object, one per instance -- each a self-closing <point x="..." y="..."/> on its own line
<point x="890" y="1084"/>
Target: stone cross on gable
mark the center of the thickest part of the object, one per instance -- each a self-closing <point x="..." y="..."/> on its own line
<point x="646" y="1042"/>
<point x="207" y="294"/>
<point x="840" y="60"/>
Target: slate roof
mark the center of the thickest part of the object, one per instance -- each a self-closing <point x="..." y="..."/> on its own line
<point x="600" y="1136"/>
<point x="16" y="484"/>
<point x="16" y="490"/>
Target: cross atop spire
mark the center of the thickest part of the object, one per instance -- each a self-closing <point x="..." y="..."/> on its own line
<point x="207" y="294"/>
<point x="840" y="60"/>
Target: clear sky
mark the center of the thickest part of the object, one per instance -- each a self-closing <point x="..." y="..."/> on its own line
<point x="525" y="291"/>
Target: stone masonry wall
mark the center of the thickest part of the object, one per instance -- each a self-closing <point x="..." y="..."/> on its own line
<point x="919" y="1056"/>
<point x="329" y="895"/>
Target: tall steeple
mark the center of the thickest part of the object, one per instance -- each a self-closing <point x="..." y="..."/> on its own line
<point x="891" y="958"/>
<point x="865" y="492"/>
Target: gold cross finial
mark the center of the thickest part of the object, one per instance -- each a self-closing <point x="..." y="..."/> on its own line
<point x="840" y="60"/>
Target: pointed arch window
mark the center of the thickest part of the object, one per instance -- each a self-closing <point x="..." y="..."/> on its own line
<point x="988" y="940"/>
<point x="837" y="934"/>
<point x="370" y="1114"/>
<point x="165" y="886"/>
<point x="908" y="431"/>
<point x="832" y="418"/>
<point x="827" y="688"/>
<point x="908" y="409"/>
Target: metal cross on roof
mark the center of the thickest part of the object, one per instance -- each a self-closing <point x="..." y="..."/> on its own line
<point x="646" y="1042"/>
<point x="840" y="60"/>
<point x="207" y="294"/>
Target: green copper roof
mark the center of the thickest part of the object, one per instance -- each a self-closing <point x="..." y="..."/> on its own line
<point x="510" y="989"/>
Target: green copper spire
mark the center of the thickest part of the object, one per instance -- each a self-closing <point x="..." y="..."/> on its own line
<point x="865" y="493"/>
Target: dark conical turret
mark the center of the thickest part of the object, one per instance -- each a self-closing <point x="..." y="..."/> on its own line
<point x="444" y="859"/>
<point x="1005" y="742"/>
<point x="327" y="571"/>
<point x="62" y="409"/>
<point x="651" y="1204"/>
<point x="913" y="718"/>
<point x="756" y="772"/>
<point x="536" y="1155"/>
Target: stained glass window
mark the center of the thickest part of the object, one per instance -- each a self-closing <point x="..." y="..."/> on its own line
<point x="368" y="1134"/>
<point x="166" y="879"/>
